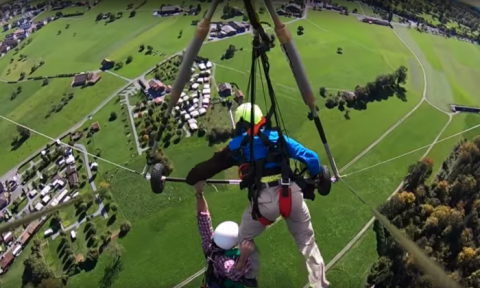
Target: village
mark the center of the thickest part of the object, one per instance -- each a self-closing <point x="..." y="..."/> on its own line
<point x="51" y="178"/>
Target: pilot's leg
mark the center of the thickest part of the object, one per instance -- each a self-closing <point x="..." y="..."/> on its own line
<point x="300" y="226"/>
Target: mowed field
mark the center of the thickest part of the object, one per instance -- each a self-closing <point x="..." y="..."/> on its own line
<point x="455" y="64"/>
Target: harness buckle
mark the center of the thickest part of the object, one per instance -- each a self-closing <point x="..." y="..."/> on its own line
<point x="285" y="183"/>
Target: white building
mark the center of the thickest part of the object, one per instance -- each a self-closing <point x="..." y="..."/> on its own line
<point x="193" y="127"/>
<point x="46" y="199"/>
<point x="75" y="195"/>
<point x="202" y="66"/>
<point x="200" y="80"/>
<point x="195" y="86"/>
<point x="61" y="195"/>
<point x="73" y="234"/>
<point x="70" y="159"/>
<point x="66" y="199"/>
<point x="202" y="111"/>
<point x="185" y="98"/>
<point x="209" y="65"/>
<point x="32" y="193"/>
<point x="206" y="86"/>
<point x="38" y="206"/>
<point x="45" y="190"/>
<point x="195" y="114"/>
<point x="206" y="91"/>
<point x="48" y="232"/>
<point x="17" y="250"/>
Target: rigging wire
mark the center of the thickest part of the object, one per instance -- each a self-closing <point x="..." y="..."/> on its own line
<point x="72" y="147"/>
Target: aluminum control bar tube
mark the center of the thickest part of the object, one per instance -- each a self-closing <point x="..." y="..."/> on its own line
<point x="184" y="73"/>
<point x="208" y="181"/>
<point x="299" y="74"/>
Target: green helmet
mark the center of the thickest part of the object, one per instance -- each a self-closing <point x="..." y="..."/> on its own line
<point x="244" y="112"/>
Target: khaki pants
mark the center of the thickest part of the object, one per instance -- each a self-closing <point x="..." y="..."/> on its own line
<point x="300" y="226"/>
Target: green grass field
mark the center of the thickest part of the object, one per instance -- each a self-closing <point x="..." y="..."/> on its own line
<point x="163" y="247"/>
<point x="34" y="103"/>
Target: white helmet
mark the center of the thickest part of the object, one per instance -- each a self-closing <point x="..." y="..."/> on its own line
<point x="226" y="235"/>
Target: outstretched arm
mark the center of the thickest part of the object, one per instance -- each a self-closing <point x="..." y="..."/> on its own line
<point x="204" y="221"/>
<point x="296" y="151"/>
<point x="220" y="161"/>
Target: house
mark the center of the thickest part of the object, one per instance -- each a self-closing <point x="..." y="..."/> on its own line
<point x="293" y="8"/>
<point x="76" y="136"/>
<point x="85" y="78"/>
<point x="32" y="193"/>
<point x="95" y="127"/>
<point x="225" y="90"/>
<point x="70" y="160"/>
<point x="169" y="10"/>
<point x="38" y="206"/>
<point x="281" y="12"/>
<point x="7" y="237"/>
<point x="107" y="64"/>
<point x="46" y="199"/>
<point x="156" y="88"/>
<point x="20" y="34"/>
<point x="32" y="228"/>
<point x="238" y="96"/>
<point x="238" y="26"/>
<point x="228" y="30"/>
<point x="237" y="11"/>
<point x="24" y="238"/>
<point x="72" y="176"/>
<point x="6" y="261"/>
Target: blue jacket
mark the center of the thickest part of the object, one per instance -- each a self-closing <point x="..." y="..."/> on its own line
<point x="294" y="149"/>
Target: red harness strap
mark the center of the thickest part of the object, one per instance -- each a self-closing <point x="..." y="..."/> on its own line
<point x="284" y="205"/>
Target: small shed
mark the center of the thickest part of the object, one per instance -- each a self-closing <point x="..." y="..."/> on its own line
<point x="195" y="86"/>
<point x="32" y="193"/>
<point x="46" y="199"/>
<point x="38" y="206"/>
<point x="48" y="232"/>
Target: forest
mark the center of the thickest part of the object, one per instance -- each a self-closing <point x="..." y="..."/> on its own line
<point x="445" y="11"/>
<point x="442" y="218"/>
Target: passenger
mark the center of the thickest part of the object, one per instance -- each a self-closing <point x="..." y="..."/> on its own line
<point x="226" y="265"/>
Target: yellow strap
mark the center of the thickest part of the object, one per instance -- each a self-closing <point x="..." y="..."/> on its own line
<point x="272" y="178"/>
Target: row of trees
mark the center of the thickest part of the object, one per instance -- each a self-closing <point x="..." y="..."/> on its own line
<point x="442" y="218"/>
<point x="383" y="87"/>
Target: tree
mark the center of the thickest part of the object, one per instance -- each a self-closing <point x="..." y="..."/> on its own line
<point x="59" y="32"/>
<point x="113" y="207"/>
<point x="51" y="282"/>
<point x="16" y="202"/>
<point x="300" y="28"/>
<point x="24" y="132"/>
<point x="401" y="75"/>
<point x="323" y="91"/>
<point x="199" y="8"/>
<point x="22" y="75"/>
<point x="92" y="255"/>
<point x="125" y="227"/>
<point x="112" y="17"/>
<point x="35" y="270"/>
<point x="142" y="47"/>
<point x="120" y="14"/>
<point x="113" y="116"/>
<point x="149" y="48"/>
<point x="67" y="26"/>
<point x="82" y="207"/>
<point x="99" y="17"/>
<point x="68" y="251"/>
<point x="45" y="82"/>
<point x="129" y="59"/>
<point x="118" y="65"/>
<point x="133" y="13"/>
